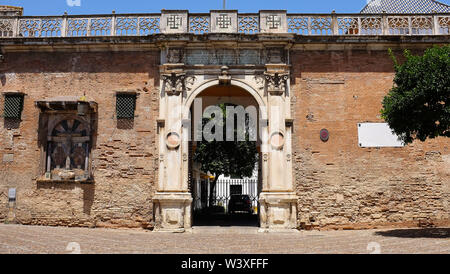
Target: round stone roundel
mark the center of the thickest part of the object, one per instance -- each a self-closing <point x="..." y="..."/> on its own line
<point x="173" y="140"/>
<point x="277" y="140"/>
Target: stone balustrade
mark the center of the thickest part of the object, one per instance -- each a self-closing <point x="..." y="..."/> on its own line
<point x="223" y="21"/>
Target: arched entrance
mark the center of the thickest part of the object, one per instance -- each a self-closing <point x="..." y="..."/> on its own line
<point x="173" y="200"/>
<point x="226" y="199"/>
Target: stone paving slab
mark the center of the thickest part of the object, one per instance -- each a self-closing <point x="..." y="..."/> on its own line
<point x="220" y="240"/>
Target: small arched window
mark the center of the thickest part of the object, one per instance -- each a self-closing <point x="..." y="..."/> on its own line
<point x="68" y="150"/>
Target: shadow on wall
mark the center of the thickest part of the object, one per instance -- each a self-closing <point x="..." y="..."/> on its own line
<point x="88" y="191"/>
<point x="416" y="233"/>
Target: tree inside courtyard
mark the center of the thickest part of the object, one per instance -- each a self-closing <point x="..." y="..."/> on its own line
<point x="417" y="107"/>
<point x="235" y="158"/>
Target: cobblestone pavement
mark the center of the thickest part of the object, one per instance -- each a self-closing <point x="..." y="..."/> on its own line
<point x="221" y="240"/>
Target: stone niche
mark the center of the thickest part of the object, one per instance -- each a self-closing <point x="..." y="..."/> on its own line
<point x="66" y="127"/>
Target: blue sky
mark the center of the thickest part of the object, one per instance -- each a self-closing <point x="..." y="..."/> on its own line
<point x="57" y="7"/>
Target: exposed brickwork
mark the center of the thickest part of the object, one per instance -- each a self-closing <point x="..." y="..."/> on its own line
<point x="340" y="184"/>
<point x="123" y="156"/>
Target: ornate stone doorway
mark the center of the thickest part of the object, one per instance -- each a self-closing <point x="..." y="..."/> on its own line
<point x="219" y="211"/>
<point x="269" y="88"/>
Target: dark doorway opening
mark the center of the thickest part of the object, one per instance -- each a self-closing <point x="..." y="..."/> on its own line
<point x="235" y="200"/>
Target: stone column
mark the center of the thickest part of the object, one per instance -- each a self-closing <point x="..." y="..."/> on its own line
<point x="172" y="199"/>
<point x="278" y="198"/>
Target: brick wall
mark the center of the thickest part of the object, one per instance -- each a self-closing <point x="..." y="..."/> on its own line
<point x="341" y="185"/>
<point x="123" y="156"/>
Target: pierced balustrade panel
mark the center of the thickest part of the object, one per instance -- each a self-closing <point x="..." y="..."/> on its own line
<point x="422" y="25"/>
<point x="320" y="26"/>
<point x="398" y="25"/>
<point x="149" y="25"/>
<point x="298" y="25"/>
<point x="348" y="25"/>
<point x="135" y="26"/>
<point x="77" y="27"/>
<point x="100" y="26"/>
<point x="444" y="24"/>
<point x="371" y="26"/>
<point x="6" y="28"/>
<point x="199" y="24"/>
<point x="49" y="27"/>
<point x="248" y="24"/>
<point x="127" y="26"/>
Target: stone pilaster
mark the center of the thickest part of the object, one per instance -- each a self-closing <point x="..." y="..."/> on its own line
<point x="172" y="200"/>
<point x="278" y="200"/>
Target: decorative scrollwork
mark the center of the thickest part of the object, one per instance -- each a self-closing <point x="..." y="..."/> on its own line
<point x="189" y="82"/>
<point x="276" y="83"/>
<point x="248" y="24"/>
<point x="174" y="83"/>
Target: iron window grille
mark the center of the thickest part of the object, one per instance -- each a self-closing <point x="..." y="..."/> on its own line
<point x="125" y="105"/>
<point x="13" y="106"/>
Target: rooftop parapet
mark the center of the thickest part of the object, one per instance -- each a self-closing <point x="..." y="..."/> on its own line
<point x="225" y="21"/>
<point x="10" y="11"/>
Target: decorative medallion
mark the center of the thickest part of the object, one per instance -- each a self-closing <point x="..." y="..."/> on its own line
<point x="173" y="140"/>
<point x="277" y="140"/>
<point x="324" y="135"/>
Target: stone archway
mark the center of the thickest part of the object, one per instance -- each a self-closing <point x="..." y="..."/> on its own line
<point x="172" y="202"/>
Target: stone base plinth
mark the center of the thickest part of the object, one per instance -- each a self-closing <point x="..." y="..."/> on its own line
<point x="172" y="211"/>
<point x="278" y="212"/>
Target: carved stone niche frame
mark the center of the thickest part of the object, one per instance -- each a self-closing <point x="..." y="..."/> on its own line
<point x="66" y="140"/>
<point x="175" y="55"/>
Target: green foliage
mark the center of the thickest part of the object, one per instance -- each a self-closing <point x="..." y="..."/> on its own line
<point x="417" y="107"/>
<point x="236" y="158"/>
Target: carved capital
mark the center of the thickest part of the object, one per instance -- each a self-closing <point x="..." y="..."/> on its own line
<point x="174" y="83"/>
<point x="276" y="83"/>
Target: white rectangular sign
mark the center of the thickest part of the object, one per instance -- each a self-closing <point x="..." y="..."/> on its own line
<point x="377" y="135"/>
